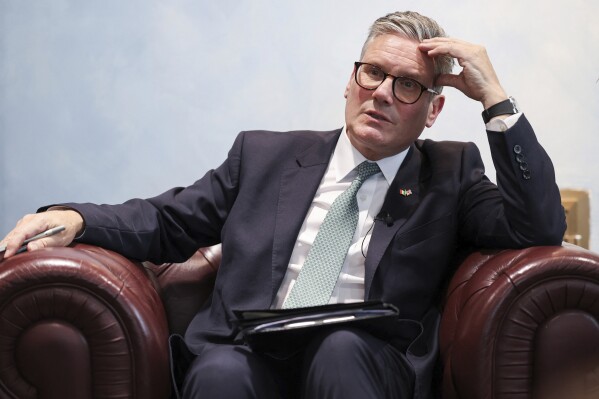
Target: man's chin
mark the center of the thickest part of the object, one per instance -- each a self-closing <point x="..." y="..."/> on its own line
<point x="371" y="136"/>
<point x="370" y="143"/>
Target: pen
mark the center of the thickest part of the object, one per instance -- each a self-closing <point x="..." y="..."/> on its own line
<point x="44" y="234"/>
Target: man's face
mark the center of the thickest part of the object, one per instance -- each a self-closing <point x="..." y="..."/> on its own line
<point x="378" y="125"/>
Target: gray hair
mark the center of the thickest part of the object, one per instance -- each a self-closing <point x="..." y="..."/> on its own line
<point x="413" y="26"/>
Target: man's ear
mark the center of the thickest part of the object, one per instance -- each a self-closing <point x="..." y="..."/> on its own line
<point x="435" y="108"/>
<point x="351" y="78"/>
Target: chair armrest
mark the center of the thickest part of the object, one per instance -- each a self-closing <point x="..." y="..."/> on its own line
<point x="185" y="287"/>
<point x="514" y="320"/>
<point x="80" y="322"/>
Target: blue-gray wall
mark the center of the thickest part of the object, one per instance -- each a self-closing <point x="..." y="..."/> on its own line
<point x="105" y="100"/>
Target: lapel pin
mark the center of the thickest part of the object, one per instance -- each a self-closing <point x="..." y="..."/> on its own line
<point x="405" y="192"/>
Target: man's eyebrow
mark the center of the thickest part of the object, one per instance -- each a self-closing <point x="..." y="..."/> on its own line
<point x="404" y="75"/>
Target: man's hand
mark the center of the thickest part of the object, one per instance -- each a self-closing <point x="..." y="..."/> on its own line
<point x="34" y="224"/>
<point x="477" y="79"/>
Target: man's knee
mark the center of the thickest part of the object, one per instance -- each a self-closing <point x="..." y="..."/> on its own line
<point x="341" y="345"/>
<point x="217" y="364"/>
<point x="351" y="363"/>
<point x="229" y="371"/>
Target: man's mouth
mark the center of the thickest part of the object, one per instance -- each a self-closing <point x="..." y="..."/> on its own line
<point x="378" y="116"/>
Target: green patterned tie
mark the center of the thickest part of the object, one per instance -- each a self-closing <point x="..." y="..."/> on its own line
<point x="319" y="274"/>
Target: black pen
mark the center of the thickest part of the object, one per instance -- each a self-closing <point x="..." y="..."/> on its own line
<point x="47" y="233"/>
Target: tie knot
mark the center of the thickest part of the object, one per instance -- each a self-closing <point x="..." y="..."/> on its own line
<point x="367" y="169"/>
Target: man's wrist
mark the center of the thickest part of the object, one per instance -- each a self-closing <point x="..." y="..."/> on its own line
<point x="493" y="96"/>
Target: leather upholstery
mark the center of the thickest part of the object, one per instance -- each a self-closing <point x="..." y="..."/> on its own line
<point x="522" y="324"/>
<point x="84" y="322"/>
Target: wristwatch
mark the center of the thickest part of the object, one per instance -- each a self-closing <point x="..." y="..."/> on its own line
<point x="506" y="107"/>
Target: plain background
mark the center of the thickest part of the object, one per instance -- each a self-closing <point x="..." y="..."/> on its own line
<point x="102" y="101"/>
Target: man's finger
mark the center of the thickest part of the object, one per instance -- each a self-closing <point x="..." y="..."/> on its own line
<point x="451" y="47"/>
<point x="38" y="244"/>
<point x="12" y="243"/>
<point x="27" y="227"/>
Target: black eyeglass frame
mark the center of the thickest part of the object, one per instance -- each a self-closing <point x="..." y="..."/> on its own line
<point x="423" y="88"/>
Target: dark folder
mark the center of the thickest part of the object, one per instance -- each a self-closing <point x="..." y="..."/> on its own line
<point x="283" y="329"/>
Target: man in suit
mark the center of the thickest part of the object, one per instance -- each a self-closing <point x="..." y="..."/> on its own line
<point x="269" y="198"/>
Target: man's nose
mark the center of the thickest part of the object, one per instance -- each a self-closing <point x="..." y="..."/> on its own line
<point x="385" y="90"/>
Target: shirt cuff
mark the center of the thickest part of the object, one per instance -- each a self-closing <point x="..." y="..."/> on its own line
<point x="501" y="125"/>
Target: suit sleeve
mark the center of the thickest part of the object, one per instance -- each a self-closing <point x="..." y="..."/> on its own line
<point x="524" y="209"/>
<point x="169" y="227"/>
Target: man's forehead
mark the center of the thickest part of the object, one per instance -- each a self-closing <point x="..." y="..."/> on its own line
<point x="398" y="52"/>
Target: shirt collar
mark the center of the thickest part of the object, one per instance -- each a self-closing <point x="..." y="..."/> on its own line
<point x="346" y="157"/>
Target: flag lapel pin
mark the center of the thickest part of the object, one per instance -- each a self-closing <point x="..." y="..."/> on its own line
<point x="405" y="192"/>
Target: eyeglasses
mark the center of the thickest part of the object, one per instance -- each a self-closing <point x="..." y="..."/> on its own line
<point x="406" y="90"/>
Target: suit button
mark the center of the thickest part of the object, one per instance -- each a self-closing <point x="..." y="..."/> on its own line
<point x="517" y="149"/>
<point x="526" y="174"/>
<point x="523" y="166"/>
<point x="520" y="158"/>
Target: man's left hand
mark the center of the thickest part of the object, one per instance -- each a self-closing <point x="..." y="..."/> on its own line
<point x="477" y="79"/>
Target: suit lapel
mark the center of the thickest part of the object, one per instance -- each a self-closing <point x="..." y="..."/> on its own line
<point x="299" y="182"/>
<point x="402" y="199"/>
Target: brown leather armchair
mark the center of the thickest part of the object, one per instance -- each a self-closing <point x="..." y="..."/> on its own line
<point x="83" y="322"/>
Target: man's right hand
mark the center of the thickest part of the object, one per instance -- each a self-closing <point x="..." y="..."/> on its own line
<point x="31" y="225"/>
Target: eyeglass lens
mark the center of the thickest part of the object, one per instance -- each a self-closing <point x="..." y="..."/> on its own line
<point x="405" y="89"/>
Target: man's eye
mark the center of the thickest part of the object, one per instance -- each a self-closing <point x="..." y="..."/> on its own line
<point x="407" y="84"/>
<point x="375" y="73"/>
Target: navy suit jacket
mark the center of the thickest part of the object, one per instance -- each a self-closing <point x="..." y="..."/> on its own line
<point x="256" y="201"/>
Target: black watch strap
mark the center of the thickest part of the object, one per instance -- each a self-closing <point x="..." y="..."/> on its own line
<point x="506" y="107"/>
